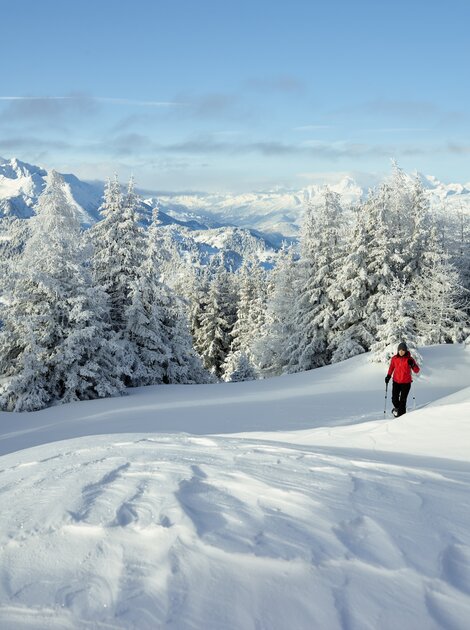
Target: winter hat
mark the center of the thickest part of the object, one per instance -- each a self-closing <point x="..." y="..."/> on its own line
<point x="402" y="346"/>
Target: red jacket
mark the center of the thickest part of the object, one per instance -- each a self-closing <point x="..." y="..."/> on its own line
<point x="401" y="370"/>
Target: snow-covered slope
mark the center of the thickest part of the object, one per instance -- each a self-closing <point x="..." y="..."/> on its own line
<point x="287" y="503"/>
<point x="22" y="183"/>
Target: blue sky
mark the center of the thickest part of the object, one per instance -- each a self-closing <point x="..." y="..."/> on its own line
<point x="238" y="96"/>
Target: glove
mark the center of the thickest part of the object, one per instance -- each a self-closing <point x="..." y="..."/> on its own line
<point x="387" y="378"/>
<point x="411" y="363"/>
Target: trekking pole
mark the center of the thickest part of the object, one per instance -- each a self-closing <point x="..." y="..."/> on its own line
<point x="385" y="407"/>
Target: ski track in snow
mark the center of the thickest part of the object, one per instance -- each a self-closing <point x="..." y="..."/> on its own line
<point x="188" y="532"/>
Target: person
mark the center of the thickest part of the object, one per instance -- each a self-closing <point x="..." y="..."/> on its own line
<point x="400" y="366"/>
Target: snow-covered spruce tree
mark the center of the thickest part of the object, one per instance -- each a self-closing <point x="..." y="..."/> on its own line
<point x="13" y="236"/>
<point x="387" y="244"/>
<point x="142" y="333"/>
<point x="216" y="321"/>
<point x="384" y="256"/>
<point x="174" y="269"/>
<point x="238" y="367"/>
<point x="55" y="344"/>
<point x="316" y="289"/>
<point x="118" y="255"/>
<point x="157" y="325"/>
<point x="271" y="348"/>
<point x="424" y="265"/>
<point x="119" y="248"/>
<point x="462" y="257"/>
<point x="355" y="285"/>
<point x="159" y="334"/>
<point x="439" y="295"/>
<point x="400" y="192"/>
<point x="415" y="242"/>
<point x="197" y="298"/>
<point x="398" y="308"/>
<point x="250" y="315"/>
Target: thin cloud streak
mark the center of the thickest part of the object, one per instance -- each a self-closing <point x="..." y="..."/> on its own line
<point x="283" y="83"/>
<point x="33" y="144"/>
<point x="138" y="145"/>
<point x="100" y="99"/>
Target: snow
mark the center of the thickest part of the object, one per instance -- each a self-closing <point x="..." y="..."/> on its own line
<point x="286" y="503"/>
<point x="277" y="213"/>
<point x="22" y="183"/>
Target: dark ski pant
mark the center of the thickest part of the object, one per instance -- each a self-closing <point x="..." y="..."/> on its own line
<point x="400" y="393"/>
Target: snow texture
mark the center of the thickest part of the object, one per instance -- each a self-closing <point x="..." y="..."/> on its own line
<point x="292" y="502"/>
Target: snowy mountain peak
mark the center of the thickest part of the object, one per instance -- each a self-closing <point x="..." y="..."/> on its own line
<point x="430" y="182"/>
<point x="16" y="169"/>
<point x="22" y="183"/>
<point x="275" y="212"/>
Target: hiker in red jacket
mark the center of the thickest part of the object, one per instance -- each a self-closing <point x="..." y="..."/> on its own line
<point x="400" y="366"/>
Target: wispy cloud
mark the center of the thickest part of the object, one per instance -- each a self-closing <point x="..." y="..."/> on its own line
<point x="324" y="150"/>
<point x="56" y="110"/>
<point x="212" y="106"/>
<point x="98" y="99"/>
<point x="128" y="101"/>
<point x="459" y="149"/>
<point x="51" y="109"/>
<point x="129" y="144"/>
<point x="32" y="143"/>
<point x="35" y="98"/>
<point x="275" y="148"/>
<point x="410" y="111"/>
<point x="142" y="146"/>
<point x="401" y="108"/>
<point x="282" y="83"/>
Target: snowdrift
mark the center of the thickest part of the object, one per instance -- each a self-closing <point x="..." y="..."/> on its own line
<point x="288" y="503"/>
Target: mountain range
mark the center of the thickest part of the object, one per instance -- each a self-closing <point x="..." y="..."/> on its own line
<point x="270" y="216"/>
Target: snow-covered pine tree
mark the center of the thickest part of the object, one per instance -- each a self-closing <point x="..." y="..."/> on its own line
<point x="157" y="324"/>
<point x="399" y="201"/>
<point x="143" y="334"/>
<point x="238" y="367"/>
<point x="198" y="298"/>
<point x="439" y="295"/>
<point x="118" y="255"/>
<point x="315" y="304"/>
<point x="250" y="312"/>
<point x="55" y="344"/>
<point x="216" y="321"/>
<point x="384" y="257"/>
<point x="173" y="269"/>
<point x="119" y="248"/>
<point x="415" y="242"/>
<point x="271" y="348"/>
<point x="462" y="258"/>
<point x="355" y="285"/>
<point x="398" y="308"/>
<point x="14" y="234"/>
